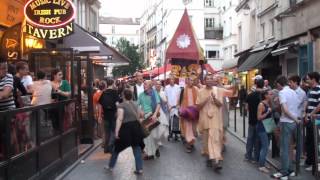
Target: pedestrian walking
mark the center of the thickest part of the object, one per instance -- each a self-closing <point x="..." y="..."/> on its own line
<point x="128" y="132"/>
<point x="163" y="129"/>
<point x="149" y="102"/>
<point x="209" y="102"/>
<point x="189" y="98"/>
<point x="172" y="92"/>
<point x="138" y="86"/>
<point x="109" y="100"/>
<point x="264" y="112"/>
<point x="289" y="119"/>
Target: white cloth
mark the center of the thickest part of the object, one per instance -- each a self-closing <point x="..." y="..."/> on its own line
<point x="140" y="89"/>
<point x="27" y="81"/>
<point x="302" y="96"/>
<point x="41" y="92"/>
<point x="290" y="98"/>
<point x="172" y="93"/>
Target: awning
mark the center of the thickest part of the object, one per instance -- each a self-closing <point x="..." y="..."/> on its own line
<point x="230" y="63"/>
<point x="160" y="70"/>
<point x="254" y="59"/>
<point x="280" y="51"/>
<point x="81" y="40"/>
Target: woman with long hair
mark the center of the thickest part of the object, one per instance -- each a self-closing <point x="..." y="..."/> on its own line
<point x="264" y="112"/>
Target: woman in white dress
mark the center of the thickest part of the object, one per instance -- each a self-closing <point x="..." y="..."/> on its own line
<point x="163" y="130"/>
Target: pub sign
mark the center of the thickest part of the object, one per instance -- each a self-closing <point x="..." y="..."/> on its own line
<point x="49" y="19"/>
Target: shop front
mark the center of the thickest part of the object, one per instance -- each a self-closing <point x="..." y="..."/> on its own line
<point x="259" y="61"/>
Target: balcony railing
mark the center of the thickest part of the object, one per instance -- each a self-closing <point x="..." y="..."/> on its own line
<point x="214" y="33"/>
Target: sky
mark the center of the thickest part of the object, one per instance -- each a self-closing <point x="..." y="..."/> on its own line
<point x="122" y="8"/>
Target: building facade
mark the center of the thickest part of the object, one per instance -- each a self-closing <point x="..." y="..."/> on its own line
<point x="88" y="14"/>
<point x="115" y="28"/>
<point x="161" y="18"/>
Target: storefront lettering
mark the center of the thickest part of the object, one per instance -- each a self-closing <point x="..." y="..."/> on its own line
<point x="49" y="19"/>
<point x="49" y="33"/>
<point x="11" y="46"/>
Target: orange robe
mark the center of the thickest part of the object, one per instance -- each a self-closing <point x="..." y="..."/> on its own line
<point x="188" y="128"/>
<point x="211" y="123"/>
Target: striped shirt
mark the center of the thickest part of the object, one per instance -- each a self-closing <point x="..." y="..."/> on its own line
<point x="8" y="103"/>
<point x="313" y="99"/>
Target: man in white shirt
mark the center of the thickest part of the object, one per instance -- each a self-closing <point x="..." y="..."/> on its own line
<point x="138" y="87"/>
<point x="289" y="119"/>
<point x="172" y="92"/>
<point x="23" y="73"/>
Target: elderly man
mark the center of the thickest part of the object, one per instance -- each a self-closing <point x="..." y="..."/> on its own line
<point x="210" y="104"/>
<point x="149" y="102"/>
<point x="138" y="87"/>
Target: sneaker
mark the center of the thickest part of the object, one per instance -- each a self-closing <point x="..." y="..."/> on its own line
<point x="138" y="172"/>
<point x="157" y="153"/>
<point x="218" y="165"/>
<point x="107" y="168"/>
<point x="279" y="175"/>
<point x="292" y="174"/>
<point x="264" y="169"/>
<point x="209" y="163"/>
<point x="309" y="168"/>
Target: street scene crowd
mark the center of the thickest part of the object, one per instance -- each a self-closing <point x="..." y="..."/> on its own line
<point x="143" y="114"/>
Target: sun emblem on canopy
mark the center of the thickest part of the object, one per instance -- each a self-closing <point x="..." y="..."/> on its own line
<point x="183" y="41"/>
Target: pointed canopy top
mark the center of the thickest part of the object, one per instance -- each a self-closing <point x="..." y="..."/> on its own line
<point x="184" y="44"/>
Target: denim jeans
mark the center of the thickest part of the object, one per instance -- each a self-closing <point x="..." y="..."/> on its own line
<point x="252" y="145"/>
<point x="287" y="130"/>
<point x="299" y="135"/>
<point x="264" y="141"/>
<point x="137" y="156"/>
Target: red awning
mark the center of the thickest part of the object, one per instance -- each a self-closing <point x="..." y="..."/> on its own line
<point x="184" y="44"/>
<point x="161" y="70"/>
<point x="209" y="68"/>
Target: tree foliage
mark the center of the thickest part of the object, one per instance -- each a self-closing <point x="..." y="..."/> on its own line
<point x="131" y="51"/>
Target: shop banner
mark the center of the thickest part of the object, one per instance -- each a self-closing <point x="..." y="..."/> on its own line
<point x="10" y="43"/>
<point x="49" y="19"/>
<point x="11" y="12"/>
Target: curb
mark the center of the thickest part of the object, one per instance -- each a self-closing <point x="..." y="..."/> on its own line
<point x="75" y="164"/>
<point x="244" y="142"/>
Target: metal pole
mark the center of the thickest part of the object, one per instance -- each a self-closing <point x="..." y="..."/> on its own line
<point x="244" y="120"/>
<point x="235" y="118"/>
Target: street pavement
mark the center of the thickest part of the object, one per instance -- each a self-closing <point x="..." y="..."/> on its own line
<point x="174" y="164"/>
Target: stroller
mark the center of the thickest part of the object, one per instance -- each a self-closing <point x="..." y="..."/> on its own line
<point x="174" y="124"/>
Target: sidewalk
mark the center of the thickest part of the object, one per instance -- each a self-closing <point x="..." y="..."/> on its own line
<point x="174" y="164"/>
<point x="239" y="134"/>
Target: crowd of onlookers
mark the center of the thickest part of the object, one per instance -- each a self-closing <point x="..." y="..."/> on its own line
<point x="20" y="88"/>
<point x="293" y="105"/>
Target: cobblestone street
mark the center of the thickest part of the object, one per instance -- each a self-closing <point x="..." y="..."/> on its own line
<point x="174" y="164"/>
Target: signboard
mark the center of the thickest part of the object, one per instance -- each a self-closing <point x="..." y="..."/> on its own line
<point x="11" y="12"/>
<point x="10" y="43"/>
<point x="49" y="19"/>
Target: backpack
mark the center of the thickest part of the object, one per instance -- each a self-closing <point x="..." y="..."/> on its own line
<point x="108" y="100"/>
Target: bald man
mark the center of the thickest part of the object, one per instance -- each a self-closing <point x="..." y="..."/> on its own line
<point x="149" y="101"/>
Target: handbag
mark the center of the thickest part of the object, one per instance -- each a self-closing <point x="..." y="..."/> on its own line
<point x="144" y="130"/>
<point x="269" y="125"/>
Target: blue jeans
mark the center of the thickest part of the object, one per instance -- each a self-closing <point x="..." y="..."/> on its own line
<point x="287" y="131"/>
<point x="264" y="141"/>
<point x="252" y="144"/>
<point x="137" y="156"/>
<point x="299" y="135"/>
